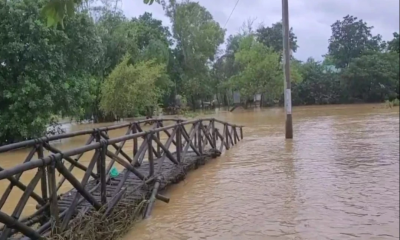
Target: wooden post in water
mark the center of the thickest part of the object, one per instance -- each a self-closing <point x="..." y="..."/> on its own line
<point x="286" y="64"/>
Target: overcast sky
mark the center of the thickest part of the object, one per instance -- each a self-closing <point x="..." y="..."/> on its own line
<point x="310" y="19"/>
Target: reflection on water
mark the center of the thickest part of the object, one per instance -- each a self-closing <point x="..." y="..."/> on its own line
<point x="338" y="179"/>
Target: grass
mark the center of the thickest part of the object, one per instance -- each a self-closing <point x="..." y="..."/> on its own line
<point x="393" y="103"/>
<point x="193" y="114"/>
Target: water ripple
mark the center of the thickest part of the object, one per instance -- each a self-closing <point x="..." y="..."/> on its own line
<point x="338" y="179"/>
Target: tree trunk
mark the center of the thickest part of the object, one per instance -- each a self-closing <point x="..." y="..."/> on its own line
<point x="193" y="103"/>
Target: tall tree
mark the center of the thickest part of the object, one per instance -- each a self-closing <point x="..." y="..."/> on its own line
<point x="198" y="37"/>
<point x="272" y="37"/>
<point x="373" y="77"/>
<point x="149" y="28"/>
<point x="56" y="11"/>
<point x="351" y="38"/>
<point x="319" y="84"/>
<point x="225" y="67"/>
<point x="130" y="88"/>
<point x="394" y="44"/>
<point x="260" y="70"/>
<point x="143" y="38"/>
<point x="38" y="74"/>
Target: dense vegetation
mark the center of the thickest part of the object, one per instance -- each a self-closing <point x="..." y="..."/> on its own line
<point x="98" y="64"/>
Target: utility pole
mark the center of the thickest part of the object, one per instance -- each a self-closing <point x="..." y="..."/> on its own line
<point x="286" y="69"/>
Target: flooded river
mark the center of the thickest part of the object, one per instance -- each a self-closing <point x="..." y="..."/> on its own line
<point x="337" y="179"/>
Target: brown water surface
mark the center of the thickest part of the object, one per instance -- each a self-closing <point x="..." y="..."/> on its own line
<point x="337" y="179"/>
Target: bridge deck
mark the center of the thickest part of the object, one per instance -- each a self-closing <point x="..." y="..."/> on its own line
<point x="94" y="208"/>
<point x="136" y="189"/>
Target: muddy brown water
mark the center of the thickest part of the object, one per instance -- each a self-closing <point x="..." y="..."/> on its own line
<point x="337" y="179"/>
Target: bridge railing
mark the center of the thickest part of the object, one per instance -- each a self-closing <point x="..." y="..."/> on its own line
<point x="50" y="215"/>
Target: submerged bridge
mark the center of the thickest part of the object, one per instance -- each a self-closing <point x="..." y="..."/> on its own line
<point x="100" y="205"/>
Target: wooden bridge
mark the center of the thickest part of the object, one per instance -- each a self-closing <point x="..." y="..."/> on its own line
<point x="152" y="165"/>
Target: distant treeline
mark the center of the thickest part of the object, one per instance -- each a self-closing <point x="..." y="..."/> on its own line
<point x="98" y="64"/>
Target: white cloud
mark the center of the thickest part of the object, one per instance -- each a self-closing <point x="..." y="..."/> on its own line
<point x="310" y="19"/>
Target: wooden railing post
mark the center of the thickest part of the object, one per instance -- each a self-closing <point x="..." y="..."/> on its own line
<point x="97" y="136"/>
<point x="51" y="174"/>
<point x="158" y="137"/>
<point x="178" y="137"/>
<point x="213" y="133"/>
<point x="150" y="153"/>
<point x="199" y="137"/>
<point x="135" y="140"/>
<point x="234" y="134"/>
<point x="226" y="137"/>
<point x="101" y="166"/>
<point x="43" y="182"/>
<point x="195" y="135"/>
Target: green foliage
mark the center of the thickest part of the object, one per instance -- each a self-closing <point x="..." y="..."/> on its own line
<point x="394" y="45"/>
<point x="260" y="70"/>
<point x="130" y="88"/>
<point x="369" y="78"/>
<point x="351" y="38"/>
<point x="319" y="85"/>
<point x="373" y="77"/>
<point x="197" y="33"/>
<point x="272" y="37"/>
<point x="393" y="103"/>
<point x="144" y="38"/>
<point x="198" y="37"/>
<point x="55" y="11"/>
<point x="37" y="78"/>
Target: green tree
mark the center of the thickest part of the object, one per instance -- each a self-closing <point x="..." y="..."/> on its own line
<point x="319" y="85"/>
<point x="224" y="68"/>
<point x="394" y="44"/>
<point x="351" y="38"/>
<point x="154" y="41"/>
<point x="56" y="11"/>
<point x="272" y="37"/>
<point x="130" y="88"/>
<point x="261" y="71"/>
<point x="143" y="38"/>
<point x="373" y="78"/>
<point x="197" y="37"/>
<point x="150" y="29"/>
<point x="37" y="77"/>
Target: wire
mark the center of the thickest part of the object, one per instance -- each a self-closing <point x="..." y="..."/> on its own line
<point x="231" y="13"/>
